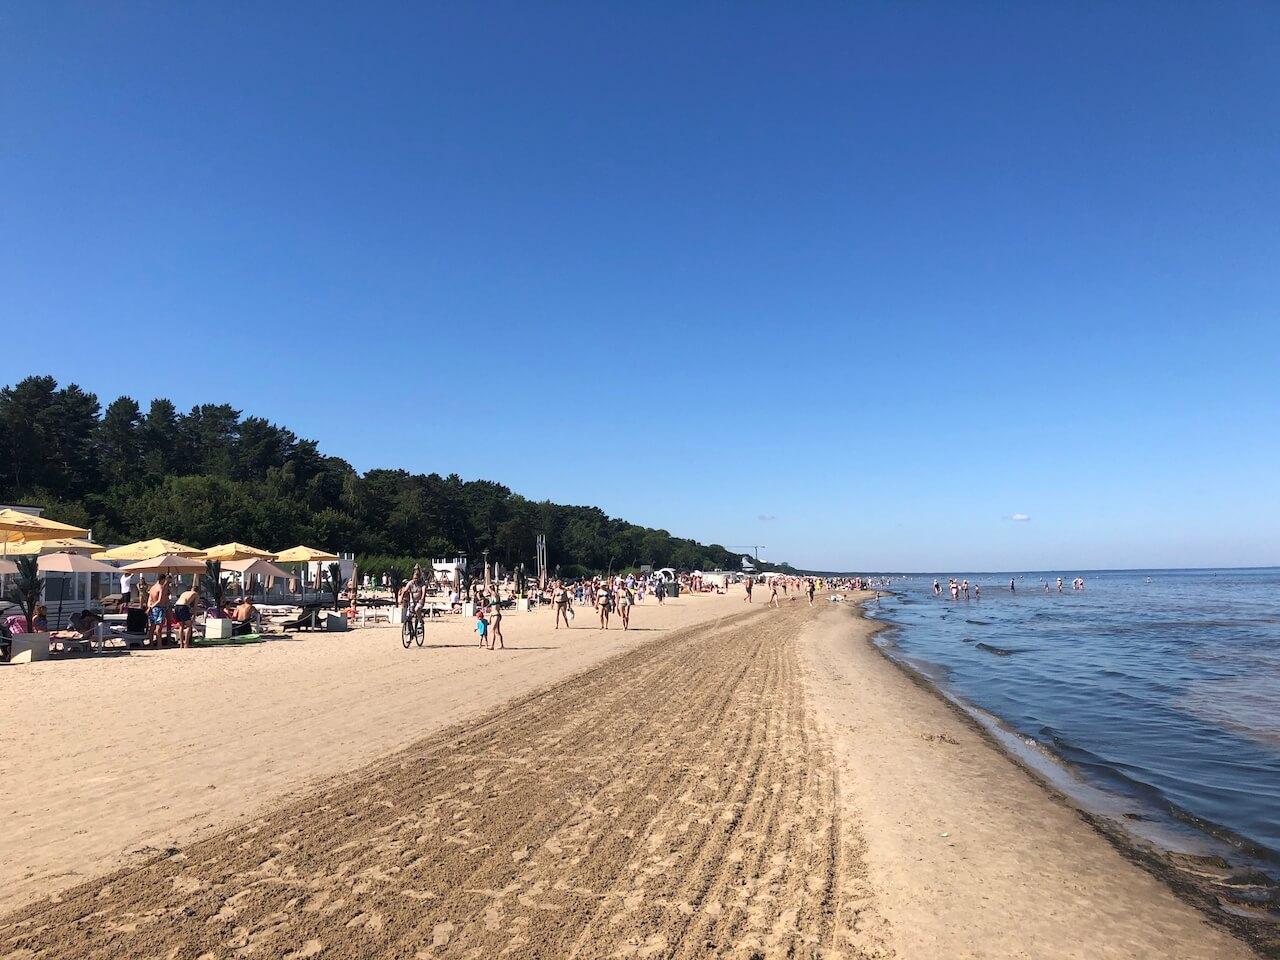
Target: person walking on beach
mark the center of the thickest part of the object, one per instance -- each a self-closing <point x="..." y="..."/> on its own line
<point x="560" y="600"/>
<point x="748" y="583"/>
<point x="624" y="607"/>
<point x="811" y="591"/>
<point x="495" y="625"/>
<point x="604" y="604"/>
<point x="773" y="594"/>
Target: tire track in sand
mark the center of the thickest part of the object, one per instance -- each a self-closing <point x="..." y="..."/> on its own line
<point x="675" y="801"/>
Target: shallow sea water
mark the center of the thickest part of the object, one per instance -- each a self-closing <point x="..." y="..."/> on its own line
<point x="1156" y="691"/>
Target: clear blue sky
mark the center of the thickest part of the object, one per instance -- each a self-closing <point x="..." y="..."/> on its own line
<point x="856" y="281"/>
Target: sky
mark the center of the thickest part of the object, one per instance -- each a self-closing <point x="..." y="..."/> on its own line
<point x="915" y="286"/>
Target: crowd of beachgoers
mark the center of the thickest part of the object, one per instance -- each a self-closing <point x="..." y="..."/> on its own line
<point x="973" y="591"/>
<point x="168" y="610"/>
<point x="610" y="598"/>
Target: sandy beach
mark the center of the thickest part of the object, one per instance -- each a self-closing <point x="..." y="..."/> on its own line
<point x="725" y="780"/>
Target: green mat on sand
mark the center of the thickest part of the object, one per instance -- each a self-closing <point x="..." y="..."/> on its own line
<point x="229" y="641"/>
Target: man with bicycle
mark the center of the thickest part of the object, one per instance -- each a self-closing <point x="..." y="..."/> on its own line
<point x="413" y="596"/>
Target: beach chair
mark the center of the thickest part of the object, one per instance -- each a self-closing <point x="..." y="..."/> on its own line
<point x="307" y="620"/>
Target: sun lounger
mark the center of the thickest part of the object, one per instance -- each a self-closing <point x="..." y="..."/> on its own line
<point x="307" y="620"/>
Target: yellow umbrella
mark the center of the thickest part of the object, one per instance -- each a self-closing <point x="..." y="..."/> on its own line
<point x="60" y="545"/>
<point x="18" y="527"/>
<point x="236" y="551"/>
<point x="146" y="549"/>
<point x="305" y="555"/>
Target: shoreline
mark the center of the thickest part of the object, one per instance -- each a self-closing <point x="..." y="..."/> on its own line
<point x="1194" y="880"/>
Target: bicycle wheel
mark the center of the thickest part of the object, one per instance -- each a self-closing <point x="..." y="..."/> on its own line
<point x="406" y="632"/>
<point x="422" y="632"/>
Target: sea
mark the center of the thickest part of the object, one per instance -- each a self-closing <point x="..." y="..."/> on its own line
<point x="1152" y="697"/>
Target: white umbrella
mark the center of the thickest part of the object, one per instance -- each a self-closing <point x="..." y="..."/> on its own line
<point x="256" y="567"/>
<point x="71" y="563"/>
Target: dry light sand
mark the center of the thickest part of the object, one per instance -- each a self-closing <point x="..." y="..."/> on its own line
<point x="726" y="781"/>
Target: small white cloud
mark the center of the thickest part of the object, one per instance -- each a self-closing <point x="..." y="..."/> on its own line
<point x="1020" y="517"/>
<point x="766" y="517"/>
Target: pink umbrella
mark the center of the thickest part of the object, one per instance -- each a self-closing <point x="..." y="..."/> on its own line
<point x="71" y="563"/>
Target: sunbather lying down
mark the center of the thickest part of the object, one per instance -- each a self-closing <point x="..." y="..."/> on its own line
<point x="81" y="628"/>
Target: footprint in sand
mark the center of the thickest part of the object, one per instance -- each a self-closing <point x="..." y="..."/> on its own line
<point x="441" y="933"/>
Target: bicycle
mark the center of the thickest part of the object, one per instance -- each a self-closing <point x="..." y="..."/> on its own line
<point x="412" y="629"/>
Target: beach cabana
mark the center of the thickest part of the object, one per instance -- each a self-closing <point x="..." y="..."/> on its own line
<point x="224" y="552"/>
<point x="146" y="549"/>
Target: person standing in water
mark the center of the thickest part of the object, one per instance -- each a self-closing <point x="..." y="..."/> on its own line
<point x="1012" y="588"/>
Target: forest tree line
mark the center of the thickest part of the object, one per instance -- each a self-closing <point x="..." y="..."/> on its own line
<point x="212" y="475"/>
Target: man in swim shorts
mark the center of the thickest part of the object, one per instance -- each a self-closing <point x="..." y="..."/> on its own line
<point x="158" y="609"/>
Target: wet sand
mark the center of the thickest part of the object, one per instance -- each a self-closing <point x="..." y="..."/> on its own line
<point x="753" y="783"/>
<point x="967" y="855"/>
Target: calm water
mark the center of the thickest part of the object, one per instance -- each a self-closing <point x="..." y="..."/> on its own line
<point x="1164" y="694"/>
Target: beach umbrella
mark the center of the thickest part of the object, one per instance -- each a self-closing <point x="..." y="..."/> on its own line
<point x="167" y="563"/>
<point x="60" y="545"/>
<point x="8" y="566"/>
<point x="146" y="549"/>
<point x="256" y="567"/>
<point x="19" y="527"/>
<point x="235" y="551"/>
<point x="305" y="556"/>
<point x="71" y="563"/>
